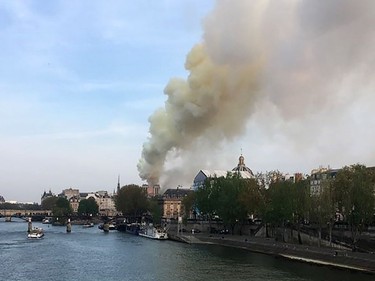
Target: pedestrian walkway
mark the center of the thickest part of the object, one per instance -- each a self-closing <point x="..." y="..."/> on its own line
<point x="323" y="256"/>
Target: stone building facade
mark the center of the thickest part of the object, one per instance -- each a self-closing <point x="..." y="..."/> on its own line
<point x="172" y="203"/>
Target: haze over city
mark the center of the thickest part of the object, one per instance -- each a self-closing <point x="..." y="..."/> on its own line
<point x="287" y="83"/>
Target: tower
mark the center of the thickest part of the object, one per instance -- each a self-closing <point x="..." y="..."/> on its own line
<point x="118" y="184"/>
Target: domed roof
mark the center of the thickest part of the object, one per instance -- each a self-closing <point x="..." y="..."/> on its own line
<point x="241" y="166"/>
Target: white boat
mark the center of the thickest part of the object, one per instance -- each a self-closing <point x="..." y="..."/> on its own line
<point x="36" y="233"/>
<point x="149" y="231"/>
<point x="107" y="226"/>
<point x="88" y="225"/>
<point x="47" y="220"/>
<point x="112" y="226"/>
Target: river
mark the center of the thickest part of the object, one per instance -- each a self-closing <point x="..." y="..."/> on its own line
<point x="90" y="254"/>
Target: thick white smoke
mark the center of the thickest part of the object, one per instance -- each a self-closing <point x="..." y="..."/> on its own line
<point x="295" y="56"/>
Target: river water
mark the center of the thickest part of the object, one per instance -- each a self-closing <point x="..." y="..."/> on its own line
<point x="90" y="254"/>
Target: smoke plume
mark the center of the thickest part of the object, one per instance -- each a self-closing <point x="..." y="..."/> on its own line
<point x="295" y="57"/>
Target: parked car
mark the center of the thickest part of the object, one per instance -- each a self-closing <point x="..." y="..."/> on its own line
<point x="182" y="230"/>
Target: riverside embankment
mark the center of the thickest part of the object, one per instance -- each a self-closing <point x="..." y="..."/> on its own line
<point x="342" y="259"/>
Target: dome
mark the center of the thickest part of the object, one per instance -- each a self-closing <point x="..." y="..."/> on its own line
<point x="241" y="166"/>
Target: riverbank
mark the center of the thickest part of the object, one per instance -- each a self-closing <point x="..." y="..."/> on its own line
<point x="342" y="259"/>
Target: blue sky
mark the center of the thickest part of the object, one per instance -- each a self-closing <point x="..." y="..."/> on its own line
<point x="78" y="81"/>
<point x="288" y="83"/>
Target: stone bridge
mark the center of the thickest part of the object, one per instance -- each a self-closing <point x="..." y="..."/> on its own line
<point x="24" y="213"/>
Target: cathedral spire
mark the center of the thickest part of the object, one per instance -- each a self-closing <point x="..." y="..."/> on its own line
<point x="118" y="184"/>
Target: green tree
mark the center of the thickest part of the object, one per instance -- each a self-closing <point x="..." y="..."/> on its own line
<point x="62" y="209"/>
<point x="265" y="208"/>
<point x="155" y="209"/>
<point x="10" y="206"/>
<point x="131" y="200"/>
<point x="280" y="210"/>
<point x="205" y="201"/>
<point x="188" y="204"/>
<point x="353" y="190"/>
<point x="32" y="207"/>
<point x="88" y="207"/>
<point x="49" y="203"/>
<point x="252" y="197"/>
<point x="268" y="212"/>
<point x="227" y="193"/>
<point x="322" y="209"/>
<point x="300" y="204"/>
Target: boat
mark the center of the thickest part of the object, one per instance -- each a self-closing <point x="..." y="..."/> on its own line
<point x="47" y="220"/>
<point x="131" y="228"/>
<point x="107" y="226"/>
<point x="36" y="233"/>
<point x="152" y="232"/>
<point x="88" y="224"/>
<point x="112" y="226"/>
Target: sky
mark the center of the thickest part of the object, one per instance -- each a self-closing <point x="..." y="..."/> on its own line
<point x="154" y="91"/>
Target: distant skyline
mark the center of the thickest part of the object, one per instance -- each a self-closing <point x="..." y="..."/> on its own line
<point x="79" y="81"/>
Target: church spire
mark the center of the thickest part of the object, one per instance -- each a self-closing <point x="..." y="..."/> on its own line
<point x="118" y="184"/>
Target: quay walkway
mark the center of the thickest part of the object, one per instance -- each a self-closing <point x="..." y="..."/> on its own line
<point x="342" y="259"/>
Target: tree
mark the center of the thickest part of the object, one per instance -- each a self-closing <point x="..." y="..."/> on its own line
<point x="251" y="197"/>
<point x="268" y="211"/>
<point x="302" y="204"/>
<point x="227" y="193"/>
<point x="131" y="200"/>
<point x="322" y="210"/>
<point x="88" y="207"/>
<point x="49" y="203"/>
<point x="188" y="203"/>
<point x="353" y="190"/>
<point x="205" y="200"/>
<point x="231" y="198"/>
<point x="280" y="209"/>
<point x="62" y="209"/>
<point x="155" y="209"/>
<point x="10" y="206"/>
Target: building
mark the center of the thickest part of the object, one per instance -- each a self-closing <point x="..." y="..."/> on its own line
<point x="172" y="203"/>
<point x="46" y="195"/>
<point x="151" y="191"/>
<point x="105" y="202"/>
<point x="69" y="193"/>
<point x="241" y="170"/>
<point x="241" y="167"/>
<point x="74" y="203"/>
<point x="296" y="177"/>
<point x="319" y="178"/>
<point x="107" y="205"/>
